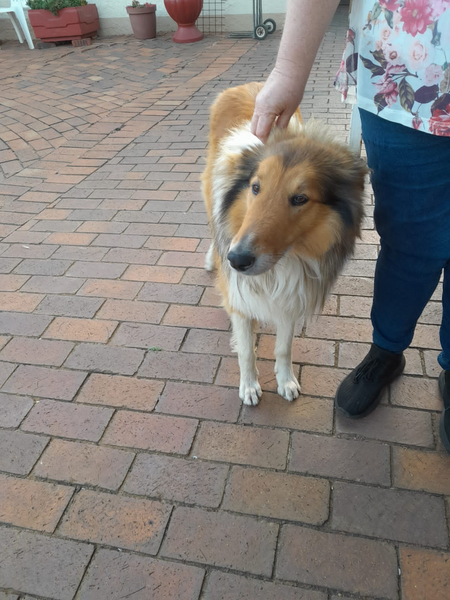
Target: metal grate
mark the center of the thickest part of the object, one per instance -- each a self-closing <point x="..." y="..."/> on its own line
<point x="210" y="20"/>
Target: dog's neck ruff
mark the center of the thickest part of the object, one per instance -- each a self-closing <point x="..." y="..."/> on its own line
<point x="297" y="285"/>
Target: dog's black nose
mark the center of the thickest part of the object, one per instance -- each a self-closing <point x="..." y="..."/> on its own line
<point x="241" y="261"/>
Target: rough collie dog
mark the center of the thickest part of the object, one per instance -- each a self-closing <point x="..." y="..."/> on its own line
<point x="284" y="218"/>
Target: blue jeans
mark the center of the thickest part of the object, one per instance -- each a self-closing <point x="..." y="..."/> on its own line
<point x="411" y="184"/>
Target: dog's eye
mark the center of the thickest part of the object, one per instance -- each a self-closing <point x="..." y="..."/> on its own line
<point x="255" y="189"/>
<point x="299" y="200"/>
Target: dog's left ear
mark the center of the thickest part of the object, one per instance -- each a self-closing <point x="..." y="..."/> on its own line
<point x="345" y="188"/>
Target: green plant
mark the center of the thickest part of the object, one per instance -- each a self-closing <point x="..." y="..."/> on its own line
<point x="137" y="4"/>
<point x="54" y="5"/>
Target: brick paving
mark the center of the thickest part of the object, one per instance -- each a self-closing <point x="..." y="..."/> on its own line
<point x="128" y="466"/>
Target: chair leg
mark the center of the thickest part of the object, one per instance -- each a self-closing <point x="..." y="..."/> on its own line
<point x="20" y="14"/>
<point x="12" y="18"/>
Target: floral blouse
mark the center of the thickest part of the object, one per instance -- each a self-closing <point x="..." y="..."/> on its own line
<point x="396" y="62"/>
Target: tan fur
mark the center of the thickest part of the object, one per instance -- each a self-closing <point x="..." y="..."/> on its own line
<point x="311" y="241"/>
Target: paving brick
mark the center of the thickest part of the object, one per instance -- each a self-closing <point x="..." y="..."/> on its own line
<point x="119" y="574"/>
<point x="418" y="470"/>
<point x="201" y="401"/>
<point x="106" y="359"/>
<point x="120" y="521"/>
<point x="38" y="564"/>
<point x="78" y="253"/>
<point x="321" y="381"/>
<point x="44" y="284"/>
<point x="81" y="330"/>
<point x="154" y="274"/>
<point x="171" y="292"/>
<point x="242" y="445"/>
<point x="304" y="350"/>
<point x="169" y="478"/>
<point x="340" y="328"/>
<point x="416" y="392"/>
<point x="13" y="409"/>
<point x="337" y="561"/>
<point x="182" y="259"/>
<point x="390" y="514"/>
<point x="425" y="574"/>
<point x="43" y="382"/>
<point x="151" y="432"/>
<point x="22" y="324"/>
<point x="325" y="456"/>
<point x="8" y="264"/>
<point x="63" y="419"/>
<point x="204" y="341"/>
<point x="43" y="267"/>
<point x="70" y="239"/>
<point x="5" y="371"/>
<point x="197" y="316"/>
<point x="102" y="270"/>
<point x="126" y="310"/>
<point x="388" y="424"/>
<point x="120" y="240"/>
<point x="277" y="495"/>
<point x="221" y="539"/>
<point x="36" y="351"/>
<point x="139" y="335"/>
<point x="84" y="464"/>
<point x="140" y="257"/>
<point x="127" y="392"/>
<point x="19" y="451"/>
<point x="174" y="365"/>
<point x="169" y="243"/>
<point x="12" y="283"/>
<point x="225" y="586"/>
<point x="198" y="277"/>
<point x="306" y="413"/>
<point x="32" y="504"/>
<point x="69" y="306"/>
<point x="122" y="290"/>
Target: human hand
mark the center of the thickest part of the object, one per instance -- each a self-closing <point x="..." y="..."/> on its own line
<point x="277" y="101"/>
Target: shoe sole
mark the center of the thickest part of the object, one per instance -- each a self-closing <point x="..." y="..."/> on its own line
<point x="444" y="436"/>
<point x="398" y="371"/>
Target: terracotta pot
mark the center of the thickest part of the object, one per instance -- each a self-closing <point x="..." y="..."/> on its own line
<point x="72" y="23"/>
<point x="185" y="13"/>
<point x="143" y="21"/>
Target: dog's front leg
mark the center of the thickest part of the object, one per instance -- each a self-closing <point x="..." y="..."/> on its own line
<point x="288" y="386"/>
<point x="249" y="389"/>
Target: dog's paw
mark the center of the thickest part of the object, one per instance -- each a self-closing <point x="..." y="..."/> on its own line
<point x="250" y="393"/>
<point x="290" y="390"/>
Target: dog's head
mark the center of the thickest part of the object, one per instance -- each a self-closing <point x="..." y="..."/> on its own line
<point x="302" y="194"/>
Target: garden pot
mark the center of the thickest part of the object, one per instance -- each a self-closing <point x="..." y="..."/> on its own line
<point x="185" y="13"/>
<point x="143" y="21"/>
<point x="72" y="23"/>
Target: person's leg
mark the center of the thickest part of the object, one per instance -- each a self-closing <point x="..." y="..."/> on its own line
<point x="411" y="184"/>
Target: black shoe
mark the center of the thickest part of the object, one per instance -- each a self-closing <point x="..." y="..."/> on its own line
<point x="360" y="392"/>
<point x="444" y="425"/>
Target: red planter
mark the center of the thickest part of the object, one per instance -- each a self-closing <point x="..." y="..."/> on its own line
<point x="185" y="13"/>
<point x="143" y="21"/>
<point x="72" y="23"/>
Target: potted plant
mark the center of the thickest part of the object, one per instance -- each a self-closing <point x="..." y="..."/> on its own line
<point x="185" y="13"/>
<point x="63" y="20"/>
<point x="142" y="19"/>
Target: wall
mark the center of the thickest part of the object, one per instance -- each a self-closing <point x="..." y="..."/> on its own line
<point x="114" y="19"/>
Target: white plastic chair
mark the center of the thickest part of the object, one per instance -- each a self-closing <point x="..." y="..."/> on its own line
<point x="16" y="13"/>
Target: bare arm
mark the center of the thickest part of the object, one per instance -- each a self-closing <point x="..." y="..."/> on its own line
<point x="306" y="24"/>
